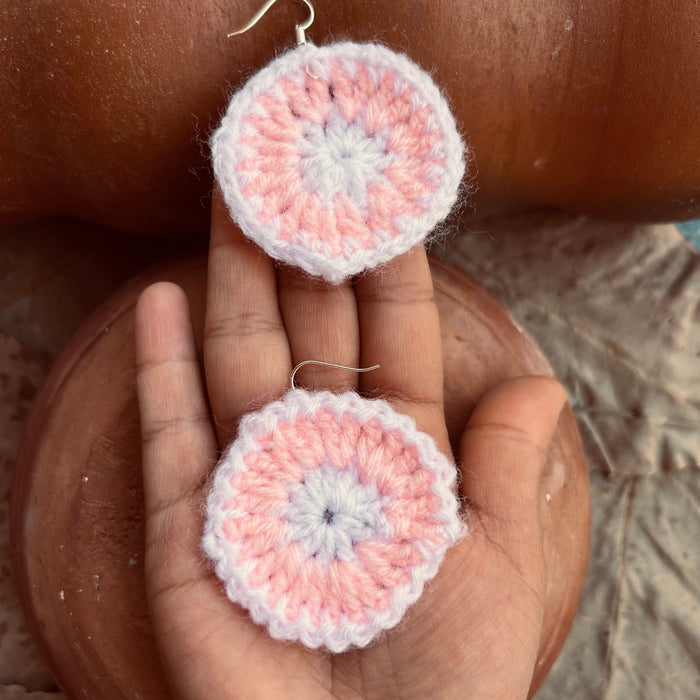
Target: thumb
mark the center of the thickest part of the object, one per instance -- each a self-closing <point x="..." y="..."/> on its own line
<point x="503" y="451"/>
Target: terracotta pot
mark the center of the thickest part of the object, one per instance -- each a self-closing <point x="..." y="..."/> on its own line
<point x="77" y="521"/>
<point x="107" y="107"/>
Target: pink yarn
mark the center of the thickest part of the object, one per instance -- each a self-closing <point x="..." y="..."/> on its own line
<point x="278" y="141"/>
<point x="338" y="158"/>
<point x="327" y="515"/>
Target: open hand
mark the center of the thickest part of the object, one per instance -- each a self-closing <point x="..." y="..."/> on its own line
<point x="476" y="630"/>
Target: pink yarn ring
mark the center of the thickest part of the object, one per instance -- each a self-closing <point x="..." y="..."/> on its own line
<point x="336" y="159"/>
<point x="327" y="515"/>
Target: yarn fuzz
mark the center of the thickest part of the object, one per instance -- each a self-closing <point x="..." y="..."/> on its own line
<point x="327" y="516"/>
<point x="336" y="159"/>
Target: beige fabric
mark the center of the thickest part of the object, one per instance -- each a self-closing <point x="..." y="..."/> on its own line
<point x="616" y="309"/>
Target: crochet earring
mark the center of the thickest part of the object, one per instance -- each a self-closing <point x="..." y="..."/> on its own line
<point x="329" y="512"/>
<point x="327" y="515"/>
<point x="336" y="159"/>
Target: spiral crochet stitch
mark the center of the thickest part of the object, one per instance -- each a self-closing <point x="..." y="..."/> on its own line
<point x="336" y="159"/>
<point x="327" y="515"/>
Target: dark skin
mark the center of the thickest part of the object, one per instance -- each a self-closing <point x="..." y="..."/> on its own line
<point x="476" y="630"/>
<point x="107" y="107"/>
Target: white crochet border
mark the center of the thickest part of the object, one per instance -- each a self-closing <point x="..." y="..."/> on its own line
<point x="335" y="638"/>
<point x="415" y="229"/>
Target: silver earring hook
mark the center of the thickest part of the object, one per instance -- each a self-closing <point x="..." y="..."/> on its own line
<point x="329" y="364"/>
<point x="299" y="29"/>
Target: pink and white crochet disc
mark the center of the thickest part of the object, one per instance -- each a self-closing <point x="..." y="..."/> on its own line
<point x="338" y="158"/>
<point x="327" y="515"/>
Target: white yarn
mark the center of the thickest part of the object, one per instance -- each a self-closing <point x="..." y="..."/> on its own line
<point x="324" y="171"/>
<point x="358" y="507"/>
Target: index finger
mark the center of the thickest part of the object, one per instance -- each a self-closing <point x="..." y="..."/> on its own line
<point x="400" y="331"/>
<point x="246" y="352"/>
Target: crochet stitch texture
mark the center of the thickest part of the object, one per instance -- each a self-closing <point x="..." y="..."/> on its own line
<point x="336" y="159"/>
<point x="327" y="515"/>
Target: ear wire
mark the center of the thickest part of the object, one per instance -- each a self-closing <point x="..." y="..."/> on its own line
<point x="299" y="29"/>
<point x="328" y="364"/>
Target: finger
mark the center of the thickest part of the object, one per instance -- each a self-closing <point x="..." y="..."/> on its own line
<point x="176" y="431"/>
<point x="197" y="627"/>
<point x="178" y="442"/>
<point x="503" y="451"/>
<point x="400" y="330"/>
<point x="246" y="354"/>
<point x="321" y="322"/>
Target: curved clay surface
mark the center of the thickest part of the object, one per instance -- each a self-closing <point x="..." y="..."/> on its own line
<point x="77" y="521"/>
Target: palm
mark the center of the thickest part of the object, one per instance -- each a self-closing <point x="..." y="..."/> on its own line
<point x="475" y="631"/>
